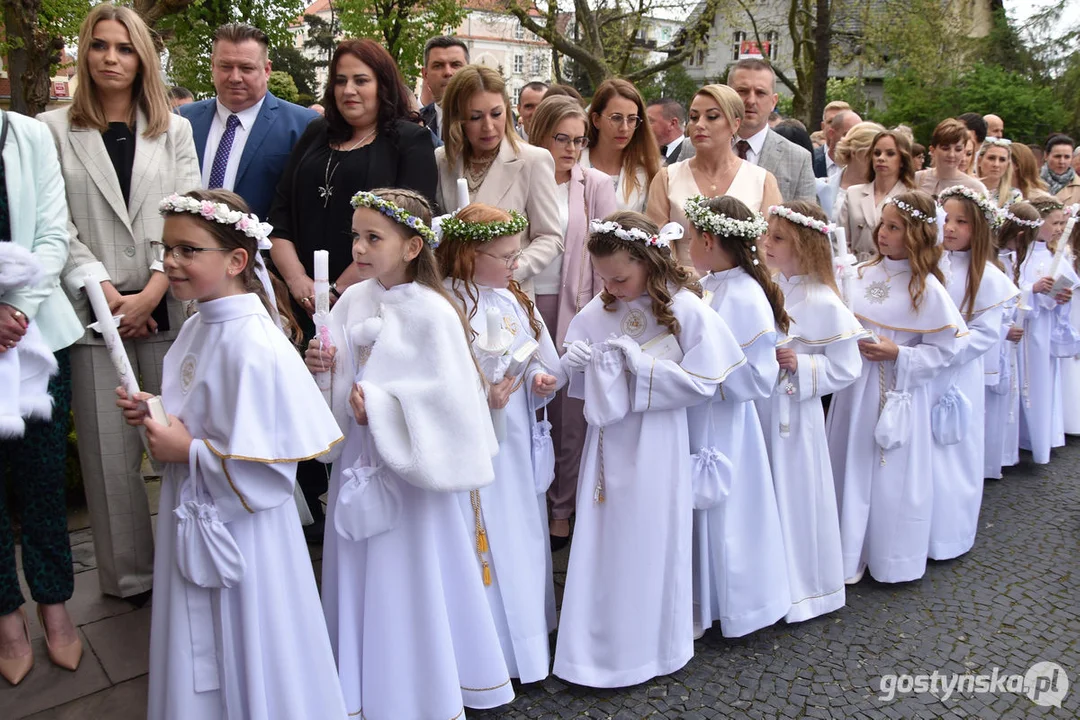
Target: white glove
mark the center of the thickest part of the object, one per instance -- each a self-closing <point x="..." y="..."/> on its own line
<point x="630" y="349"/>
<point x="578" y="355"/>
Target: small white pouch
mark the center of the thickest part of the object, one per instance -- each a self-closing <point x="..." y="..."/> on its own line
<point x="206" y="552"/>
<point x="543" y="450"/>
<point x="950" y="416"/>
<point x="607" y="388"/>
<point x="368" y="503"/>
<point x="894" y="424"/>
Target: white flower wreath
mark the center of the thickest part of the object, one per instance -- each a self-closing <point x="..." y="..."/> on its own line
<point x="912" y="211"/>
<point x="708" y="220"/>
<point x="668" y="234"/>
<point x="249" y="224"/>
<point x="800" y="219"/>
<point x="989" y="210"/>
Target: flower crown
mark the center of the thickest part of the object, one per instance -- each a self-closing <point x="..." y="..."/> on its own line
<point x="1005" y="215"/>
<point x="708" y="220"/>
<point x="249" y="224"/>
<point x="989" y="210"/>
<point x="396" y="213"/>
<point x="800" y="219"/>
<point x="663" y="239"/>
<point x="912" y="211"/>
<point x="450" y="227"/>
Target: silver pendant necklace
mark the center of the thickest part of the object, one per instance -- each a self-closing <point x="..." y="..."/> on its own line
<point x="326" y="190"/>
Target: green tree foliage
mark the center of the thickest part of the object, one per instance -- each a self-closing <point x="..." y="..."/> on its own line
<point x="34" y="35"/>
<point x="674" y="83"/>
<point x="301" y="68"/>
<point x="322" y="35"/>
<point x="281" y="84"/>
<point x="1030" y="111"/>
<point x="192" y="30"/>
<point x="401" y="26"/>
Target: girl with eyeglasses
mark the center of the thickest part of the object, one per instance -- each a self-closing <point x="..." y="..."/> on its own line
<point x="482" y="147"/>
<point x="621" y="143"/>
<point x="716" y="113"/>
<point x="478" y="251"/>
<point x="561" y="127"/>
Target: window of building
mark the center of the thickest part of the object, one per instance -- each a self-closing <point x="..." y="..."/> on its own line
<point x="519" y="64"/>
<point x="773" y="38"/>
<point x="519" y="31"/>
<point x="538" y="65"/>
<point x="736" y="44"/>
<point x="517" y="96"/>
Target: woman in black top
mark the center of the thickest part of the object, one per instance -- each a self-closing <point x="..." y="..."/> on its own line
<point x="368" y="139"/>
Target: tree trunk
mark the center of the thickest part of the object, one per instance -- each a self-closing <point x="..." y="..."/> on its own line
<point x="29" y="58"/>
<point x="822" y="58"/>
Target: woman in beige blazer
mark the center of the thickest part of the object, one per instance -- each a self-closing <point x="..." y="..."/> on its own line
<point x="891" y="172"/>
<point x="481" y="146"/>
<point x="121" y="151"/>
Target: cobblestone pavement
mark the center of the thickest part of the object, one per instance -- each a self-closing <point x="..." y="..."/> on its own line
<point x="1009" y="603"/>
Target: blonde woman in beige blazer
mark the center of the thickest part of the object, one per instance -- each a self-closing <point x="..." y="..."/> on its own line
<point x="481" y="146"/>
<point x="120" y="102"/>
<point x="892" y="172"/>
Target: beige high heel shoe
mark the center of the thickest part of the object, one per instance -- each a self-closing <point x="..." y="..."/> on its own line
<point x="15" y="669"/>
<point x="66" y="656"/>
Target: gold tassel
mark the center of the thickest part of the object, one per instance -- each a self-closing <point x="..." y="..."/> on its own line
<point x="481" y="541"/>
<point x="487" y="572"/>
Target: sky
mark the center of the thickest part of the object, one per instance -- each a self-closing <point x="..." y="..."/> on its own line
<point x="1020" y="10"/>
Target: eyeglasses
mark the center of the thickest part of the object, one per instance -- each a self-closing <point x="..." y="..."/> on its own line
<point x="631" y="121"/>
<point x="182" y="254"/>
<point x="509" y="260"/>
<point x="579" y="142"/>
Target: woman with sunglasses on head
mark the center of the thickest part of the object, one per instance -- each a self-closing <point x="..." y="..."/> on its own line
<point x="715" y="115"/>
<point x="481" y="147"/>
<point x="621" y="143"/>
<point x="560" y="126"/>
<point x="994" y="170"/>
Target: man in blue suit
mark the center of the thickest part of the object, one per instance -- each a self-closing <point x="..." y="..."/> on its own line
<point x="245" y="134"/>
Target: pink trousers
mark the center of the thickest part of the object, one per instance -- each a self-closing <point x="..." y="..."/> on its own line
<point x="567" y="416"/>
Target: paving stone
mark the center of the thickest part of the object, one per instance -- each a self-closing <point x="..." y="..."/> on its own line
<point x="122" y="644"/>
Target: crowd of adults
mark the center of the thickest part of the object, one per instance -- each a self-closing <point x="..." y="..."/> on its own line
<point x="79" y="188"/>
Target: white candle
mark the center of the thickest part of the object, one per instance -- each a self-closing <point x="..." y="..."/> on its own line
<point x="1063" y="246"/>
<point x="462" y="193"/>
<point x="494" y="325"/>
<point x="106" y="325"/>
<point x="322" y="265"/>
<point x="841" y="242"/>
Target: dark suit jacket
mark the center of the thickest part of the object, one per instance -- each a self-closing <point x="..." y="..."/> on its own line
<point x="431" y="122"/>
<point x="277" y="128"/>
<point x="685" y="151"/>
<point x="820" y="168"/>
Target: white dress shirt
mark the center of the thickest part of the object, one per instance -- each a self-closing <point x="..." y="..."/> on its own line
<point x="672" y="146"/>
<point x="831" y="168"/>
<point x="217" y="129"/>
<point x="757" y="141"/>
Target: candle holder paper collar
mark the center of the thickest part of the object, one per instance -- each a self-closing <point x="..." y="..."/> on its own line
<point x="396" y="213"/>
<point x="450" y="227"/>
<point x="247" y="223"/>
<point x="800" y="219"/>
<point x="911" y="211"/>
<point x="708" y="220"/>
<point x="668" y="234"/>
<point x="989" y="210"/>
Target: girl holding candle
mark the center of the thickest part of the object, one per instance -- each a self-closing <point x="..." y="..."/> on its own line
<point x="225" y="640"/>
<point x="626" y="614"/>
<point x="821" y="356"/>
<point x="478" y="250"/>
<point x="740" y="571"/>
<point x="402" y="590"/>
<point x="1041" y="412"/>
<point x="1003" y="398"/>
<point x="879" y="427"/>
<point x="482" y="147"/>
<point x="621" y="142"/>
<point x="984" y="295"/>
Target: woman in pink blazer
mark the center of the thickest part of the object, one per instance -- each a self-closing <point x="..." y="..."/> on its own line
<point x="568" y="283"/>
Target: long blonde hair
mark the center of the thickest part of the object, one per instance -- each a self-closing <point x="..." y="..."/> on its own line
<point x="466" y="82"/>
<point x="1004" y="186"/>
<point x="148" y="91"/>
<point x="642" y="150"/>
<point x="920" y="239"/>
